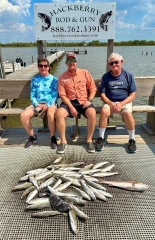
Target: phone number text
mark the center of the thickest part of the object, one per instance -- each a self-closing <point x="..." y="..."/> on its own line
<point x="76" y="29"/>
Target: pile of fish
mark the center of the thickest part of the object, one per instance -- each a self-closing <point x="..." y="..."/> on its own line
<point x="61" y="186"/>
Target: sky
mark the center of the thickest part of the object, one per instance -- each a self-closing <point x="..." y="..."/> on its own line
<point x="135" y="19"/>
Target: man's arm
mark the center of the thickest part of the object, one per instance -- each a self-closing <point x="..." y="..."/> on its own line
<point x="33" y="94"/>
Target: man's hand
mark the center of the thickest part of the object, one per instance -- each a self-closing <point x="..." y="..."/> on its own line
<point x="86" y="104"/>
<point x="42" y="106"/>
<point x="115" y="107"/>
<point x="73" y="111"/>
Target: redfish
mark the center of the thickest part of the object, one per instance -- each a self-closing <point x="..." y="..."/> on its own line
<point x="132" y="186"/>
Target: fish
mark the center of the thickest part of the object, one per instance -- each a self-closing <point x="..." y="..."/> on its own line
<point x="42" y="200"/>
<point x="25" y="178"/>
<point x="57" y="183"/>
<point x="93" y="179"/>
<point x="95" y="185"/>
<point x="60" y="194"/>
<point x="31" y="195"/>
<point x="44" y="175"/>
<point x="106" y="194"/>
<point x="73" y="221"/>
<point x="48" y="182"/>
<point x="76" y="200"/>
<point x="98" y="194"/>
<point x="87" y="190"/>
<point x="87" y="167"/>
<point x="59" y="159"/>
<point x="63" y="186"/>
<point x="90" y="171"/>
<point x="46" y="20"/>
<point x="104" y="174"/>
<point x="74" y="181"/>
<point x="108" y="168"/>
<point x="45" y="214"/>
<point x="58" y="204"/>
<point x="82" y="193"/>
<point x="21" y="187"/>
<point x="104" y="19"/>
<point x="36" y="171"/>
<point x="34" y="181"/>
<point x="79" y="213"/>
<point x="27" y="191"/>
<point x="131" y="186"/>
<point x="98" y="165"/>
<point x="37" y="206"/>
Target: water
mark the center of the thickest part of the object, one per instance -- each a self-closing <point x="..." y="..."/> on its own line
<point x="135" y="60"/>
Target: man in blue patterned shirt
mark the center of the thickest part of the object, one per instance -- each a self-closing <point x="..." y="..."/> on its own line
<point x="43" y="95"/>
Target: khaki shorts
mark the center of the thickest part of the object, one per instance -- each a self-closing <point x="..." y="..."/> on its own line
<point x="41" y="114"/>
<point x="126" y="108"/>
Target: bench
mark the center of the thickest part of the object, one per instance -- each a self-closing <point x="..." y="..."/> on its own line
<point x="20" y="89"/>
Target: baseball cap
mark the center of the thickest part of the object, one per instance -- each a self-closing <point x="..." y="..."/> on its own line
<point x="70" y="54"/>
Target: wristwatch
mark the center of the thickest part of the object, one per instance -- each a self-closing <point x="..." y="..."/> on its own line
<point x="90" y="100"/>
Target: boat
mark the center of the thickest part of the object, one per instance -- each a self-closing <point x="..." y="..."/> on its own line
<point x="12" y="66"/>
<point x="3" y="103"/>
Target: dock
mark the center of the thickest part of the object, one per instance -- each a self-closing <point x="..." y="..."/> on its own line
<point x="32" y="70"/>
<point x="128" y="215"/>
<point x="66" y="51"/>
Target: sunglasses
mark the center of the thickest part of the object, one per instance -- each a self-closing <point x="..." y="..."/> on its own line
<point x="42" y="65"/>
<point x="72" y="60"/>
<point x="114" y="62"/>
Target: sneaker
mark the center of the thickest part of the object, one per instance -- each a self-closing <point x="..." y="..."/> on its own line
<point x="53" y="142"/>
<point x="100" y="144"/>
<point x="61" y="147"/>
<point x="90" y="147"/>
<point x="30" y="141"/>
<point x="132" y="146"/>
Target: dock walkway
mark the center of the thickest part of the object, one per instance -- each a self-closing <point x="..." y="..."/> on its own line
<point x="13" y="137"/>
<point x="128" y="215"/>
<point x="32" y="70"/>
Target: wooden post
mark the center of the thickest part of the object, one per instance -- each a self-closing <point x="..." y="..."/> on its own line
<point x="109" y="51"/>
<point x="2" y="71"/>
<point x="150" y="120"/>
<point x="40" y="49"/>
<point x="9" y="103"/>
<point x="13" y="66"/>
<point x="45" y="49"/>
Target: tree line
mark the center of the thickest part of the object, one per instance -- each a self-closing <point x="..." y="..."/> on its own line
<point x="80" y="44"/>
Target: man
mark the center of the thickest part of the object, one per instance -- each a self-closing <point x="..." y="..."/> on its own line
<point x="44" y="97"/>
<point x="77" y="90"/>
<point x="117" y="92"/>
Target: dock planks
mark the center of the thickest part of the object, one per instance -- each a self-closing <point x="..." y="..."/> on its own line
<point x="17" y="136"/>
<point x="31" y="70"/>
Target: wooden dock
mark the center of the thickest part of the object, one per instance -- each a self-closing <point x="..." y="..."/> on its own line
<point x="17" y="136"/>
<point x="66" y="51"/>
<point x="32" y="70"/>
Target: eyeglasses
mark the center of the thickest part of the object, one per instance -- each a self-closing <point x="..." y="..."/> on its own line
<point x="42" y="65"/>
<point x="114" y="62"/>
<point x="72" y="60"/>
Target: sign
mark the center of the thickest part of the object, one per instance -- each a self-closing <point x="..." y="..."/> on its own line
<point x="75" y="21"/>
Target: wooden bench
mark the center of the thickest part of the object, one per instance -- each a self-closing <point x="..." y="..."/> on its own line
<point x="20" y="89"/>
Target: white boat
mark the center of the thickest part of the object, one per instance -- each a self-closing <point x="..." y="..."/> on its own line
<point x="10" y="66"/>
<point x="3" y="103"/>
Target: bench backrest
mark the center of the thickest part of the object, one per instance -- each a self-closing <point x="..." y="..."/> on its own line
<point x="16" y="89"/>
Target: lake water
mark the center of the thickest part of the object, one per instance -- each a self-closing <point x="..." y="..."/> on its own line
<point x="140" y="60"/>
